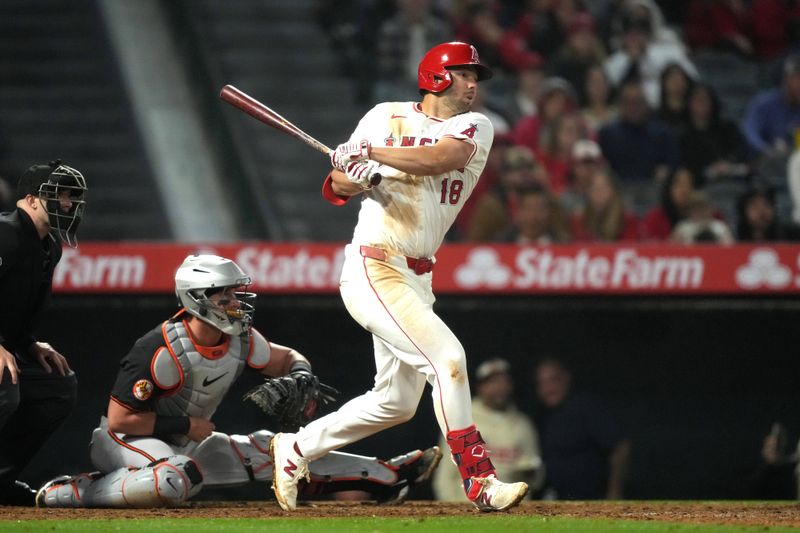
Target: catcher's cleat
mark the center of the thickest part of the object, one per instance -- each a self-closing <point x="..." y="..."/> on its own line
<point x="412" y="468"/>
<point x="49" y="495"/>
<point x="490" y="494"/>
<point x="288" y="468"/>
<point x="417" y="466"/>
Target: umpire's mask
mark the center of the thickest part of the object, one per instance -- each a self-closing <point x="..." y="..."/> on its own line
<point x="62" y="191"/>
<point x="199" y="277"/>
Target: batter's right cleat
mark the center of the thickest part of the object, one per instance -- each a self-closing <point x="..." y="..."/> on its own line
<point x="490" y="494"/>
<point x="288" y="468"/>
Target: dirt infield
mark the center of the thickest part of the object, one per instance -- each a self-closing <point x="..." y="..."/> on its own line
<point x="760" y="514"/>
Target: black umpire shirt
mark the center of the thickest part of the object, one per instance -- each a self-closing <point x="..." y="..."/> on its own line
<point x="26" y="275"/>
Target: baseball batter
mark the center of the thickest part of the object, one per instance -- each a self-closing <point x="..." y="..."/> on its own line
<point x="157" y="444"/>
<point x="430" y="155"/>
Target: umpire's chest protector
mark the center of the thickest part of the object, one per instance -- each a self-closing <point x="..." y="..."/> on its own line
<point x="197" y="378"/>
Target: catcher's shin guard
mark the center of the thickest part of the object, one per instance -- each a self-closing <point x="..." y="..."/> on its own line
<point x="386" y="481"/>
<point x="162" y="483"/>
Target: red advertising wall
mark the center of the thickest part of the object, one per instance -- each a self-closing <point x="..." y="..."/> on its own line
<point x="483" y="269"/>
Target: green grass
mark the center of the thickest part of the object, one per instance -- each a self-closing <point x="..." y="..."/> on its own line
<point x="472" y="524"/>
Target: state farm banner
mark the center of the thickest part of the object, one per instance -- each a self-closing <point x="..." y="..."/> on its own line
<point x="460" y="269"/>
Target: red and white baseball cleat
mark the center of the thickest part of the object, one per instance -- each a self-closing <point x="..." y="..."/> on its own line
<point x="288" y="468"/>
<point x="490" y="494"/>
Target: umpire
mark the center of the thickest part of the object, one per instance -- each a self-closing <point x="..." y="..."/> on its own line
<point x="37" y="387"/>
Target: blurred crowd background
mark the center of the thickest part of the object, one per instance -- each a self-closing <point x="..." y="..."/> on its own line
<point x="614" y="119"/>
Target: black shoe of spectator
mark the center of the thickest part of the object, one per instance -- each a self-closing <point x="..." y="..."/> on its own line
<point x="19" y="494"/>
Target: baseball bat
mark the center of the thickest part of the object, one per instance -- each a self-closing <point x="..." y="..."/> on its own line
<point x="262" y="113"/>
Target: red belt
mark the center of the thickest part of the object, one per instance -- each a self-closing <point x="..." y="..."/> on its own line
<point x="420" y="265"/>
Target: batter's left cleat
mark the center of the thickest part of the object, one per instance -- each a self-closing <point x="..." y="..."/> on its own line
<point x="490" y="494"/>
<point x="412" y="468"/>
<point x="288" y="468"/>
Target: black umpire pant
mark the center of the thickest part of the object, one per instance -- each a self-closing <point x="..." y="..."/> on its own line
<point x="30" y="412"/>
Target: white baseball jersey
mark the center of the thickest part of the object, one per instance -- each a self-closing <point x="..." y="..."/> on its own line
<point x="410" y="214"/>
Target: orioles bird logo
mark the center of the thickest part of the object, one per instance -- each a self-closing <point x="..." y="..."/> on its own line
<point x="142" y="389"/>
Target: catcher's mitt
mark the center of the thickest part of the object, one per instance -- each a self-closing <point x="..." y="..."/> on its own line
<point x="292" y="400"/>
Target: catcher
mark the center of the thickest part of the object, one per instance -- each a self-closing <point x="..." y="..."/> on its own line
<point x="157" y="445"/>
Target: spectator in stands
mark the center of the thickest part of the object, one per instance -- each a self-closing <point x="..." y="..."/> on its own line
<point x="776" y="27"/>
<point x="557" y="97"/>
<point x="476" y="22"/>
<point x="538" y="218"/>
<point x="402" y="40"/>
<point x="773" y="115"/>
<point x="510" y="436"/>
<point x="586" y="160"/>
<point x="642" y="58"/>
<point x="675" y="85"/>
<point x="499" y="121"/>
<point x="659" y="221"/>
<point x="523" y="102"/>
<point x="639" y="147"/>
<point x="700" y="224"/>
<point x="555" y="149"/>
<point x="713" y="147"/>
<point x="490" y="178"/>
<point x="647" y="12"/>
<point x="604" y="217"/>
<point x="586" y="453"/>
<point x="778" y="474"/>
<point x="793" y="176"/>
<point x="721" y="25"/>
<point x="6" y="196"/>
<point x="581" y="51"/>
<point x="758" y="220"/>
<point x="600" y="108"/>
<point x="543" y="25"/>
<point x="353" y="30"/>
<point x="494" y="211"/>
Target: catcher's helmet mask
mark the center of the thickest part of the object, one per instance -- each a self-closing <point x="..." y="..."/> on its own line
<point x="202" y="276"/>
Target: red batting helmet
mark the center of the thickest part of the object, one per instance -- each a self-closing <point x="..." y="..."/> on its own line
<point x="432" y="73"/>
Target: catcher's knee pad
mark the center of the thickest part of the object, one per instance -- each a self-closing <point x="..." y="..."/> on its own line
<point x="164" y="482"/>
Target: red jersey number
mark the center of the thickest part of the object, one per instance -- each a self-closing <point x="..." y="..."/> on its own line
<point x="451" y="191"/>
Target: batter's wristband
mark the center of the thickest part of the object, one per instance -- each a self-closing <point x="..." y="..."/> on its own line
<point x="300" y="366"/>
<point x="171" y="425"/>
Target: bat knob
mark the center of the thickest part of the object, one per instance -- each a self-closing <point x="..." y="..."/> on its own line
<point x="375" y="179"/>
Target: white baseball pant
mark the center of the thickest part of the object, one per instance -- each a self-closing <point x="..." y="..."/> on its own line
<point x="412" y="345"/>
